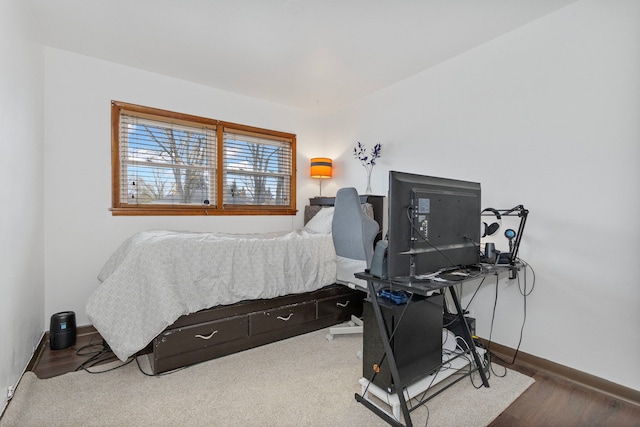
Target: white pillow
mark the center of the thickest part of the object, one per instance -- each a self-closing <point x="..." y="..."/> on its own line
<point x="321" y="222"/>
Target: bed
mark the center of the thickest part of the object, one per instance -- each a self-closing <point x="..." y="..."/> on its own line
<point x="188" y="297"/>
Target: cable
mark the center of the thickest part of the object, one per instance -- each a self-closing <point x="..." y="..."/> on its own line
<point x="533" y="285"/>
<point x="97" y="361"/>
<point x="80" y="351"/>
<point x="163" y="373"/>
<point x="466" y="309"/>
<point x="477" y="246"/>
<point x="524" y="294"/>
<point x="102" y="355"/>
<point x="493" y="316"/>
<point x="487" y="366"/>
<point x="524" y="318"/>
<point x="97" y="357"/>
<point x="420" y="401"/>
<point x="410" y="208"/>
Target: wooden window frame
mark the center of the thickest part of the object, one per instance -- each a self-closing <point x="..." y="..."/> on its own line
<point x="118" y="207"/>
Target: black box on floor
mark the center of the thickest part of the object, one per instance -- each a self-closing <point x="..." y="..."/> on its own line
<point x="452" y="322"/>
<point x="62" y="330"/>
<point x="416" y="343"/>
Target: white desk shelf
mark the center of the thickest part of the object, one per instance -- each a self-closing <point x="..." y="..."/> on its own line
<point x="416" y="388"/>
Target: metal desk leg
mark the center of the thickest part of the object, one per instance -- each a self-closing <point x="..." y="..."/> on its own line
<point x="392" y="365"/>
<point x="468" y="337"/>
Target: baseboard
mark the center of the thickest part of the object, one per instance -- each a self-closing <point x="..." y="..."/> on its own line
<point x="37" y="351"/>
<point x="578" y="377"/>
<point x="35" y="357"/>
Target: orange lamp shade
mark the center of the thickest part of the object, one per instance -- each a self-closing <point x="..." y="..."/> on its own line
<point x="320" y="167"/>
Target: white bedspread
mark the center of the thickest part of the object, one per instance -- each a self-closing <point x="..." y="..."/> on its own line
<point x="157" y="276"/>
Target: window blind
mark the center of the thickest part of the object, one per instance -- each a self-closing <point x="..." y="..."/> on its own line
<point x="257" y="169"/>
<point x="165" y="162"/>
<point x="170" y="163"/>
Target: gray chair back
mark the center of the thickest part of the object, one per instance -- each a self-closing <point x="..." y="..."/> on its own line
<point x="353" y="231"/>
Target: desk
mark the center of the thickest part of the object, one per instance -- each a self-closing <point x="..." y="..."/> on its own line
<point x="425" y="288"/>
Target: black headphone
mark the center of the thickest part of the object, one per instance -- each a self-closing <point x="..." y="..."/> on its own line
<point x="488" y="230"/>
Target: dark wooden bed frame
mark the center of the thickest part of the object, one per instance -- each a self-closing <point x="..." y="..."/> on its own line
<point x="223" y="330"/>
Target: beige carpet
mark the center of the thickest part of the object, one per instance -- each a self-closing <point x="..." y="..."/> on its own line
<point x="302" y="381"/>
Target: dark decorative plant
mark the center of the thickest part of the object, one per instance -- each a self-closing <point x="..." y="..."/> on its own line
<point x="368" y="161"/>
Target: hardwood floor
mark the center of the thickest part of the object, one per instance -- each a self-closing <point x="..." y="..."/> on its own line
<point x="555" y="401"/>
<point x="551" y="401"/>
<point x="50" y="363"/>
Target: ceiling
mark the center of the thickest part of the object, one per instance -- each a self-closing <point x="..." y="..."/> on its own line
<point x="315" y="55"/>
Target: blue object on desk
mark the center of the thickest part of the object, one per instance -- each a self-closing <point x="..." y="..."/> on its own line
<point x="396" y="297"/>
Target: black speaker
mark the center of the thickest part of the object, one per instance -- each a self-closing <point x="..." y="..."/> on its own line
<point x="62" y="330"/>
<point x="379" y="261"/>
<point x="416" y="342"/>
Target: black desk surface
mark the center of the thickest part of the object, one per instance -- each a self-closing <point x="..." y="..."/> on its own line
<point x="424" y="286"/>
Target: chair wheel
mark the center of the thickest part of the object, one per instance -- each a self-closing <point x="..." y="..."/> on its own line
<point x="329" y="337"/>
<point x="359" y="354"/>
<point x="351" y="323"/>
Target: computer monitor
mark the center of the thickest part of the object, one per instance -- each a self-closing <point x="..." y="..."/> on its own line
<point x="434" y="224"/>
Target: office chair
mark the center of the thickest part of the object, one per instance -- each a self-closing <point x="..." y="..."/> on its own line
<point x="353" y="234"/>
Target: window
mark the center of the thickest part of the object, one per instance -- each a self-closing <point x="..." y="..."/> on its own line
<point x="166" y="163"/>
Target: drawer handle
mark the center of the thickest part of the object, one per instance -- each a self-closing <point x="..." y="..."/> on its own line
<point x="339" y="304"/>
<point x="208" y="336"/>
<point x="284" y="319"/>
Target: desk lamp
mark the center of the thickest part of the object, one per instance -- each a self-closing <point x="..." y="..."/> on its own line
<point x="320" y="169"/>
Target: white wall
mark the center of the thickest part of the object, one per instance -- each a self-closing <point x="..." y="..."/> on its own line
<point x="80" y="232"/>
<point x="21" y="215"/>
<point x="545" y="116"/>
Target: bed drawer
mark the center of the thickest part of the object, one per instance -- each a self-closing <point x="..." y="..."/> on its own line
<point x="282" y="317"/>
<point x="203" y="335"/>
<point x="341" y="306"/>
